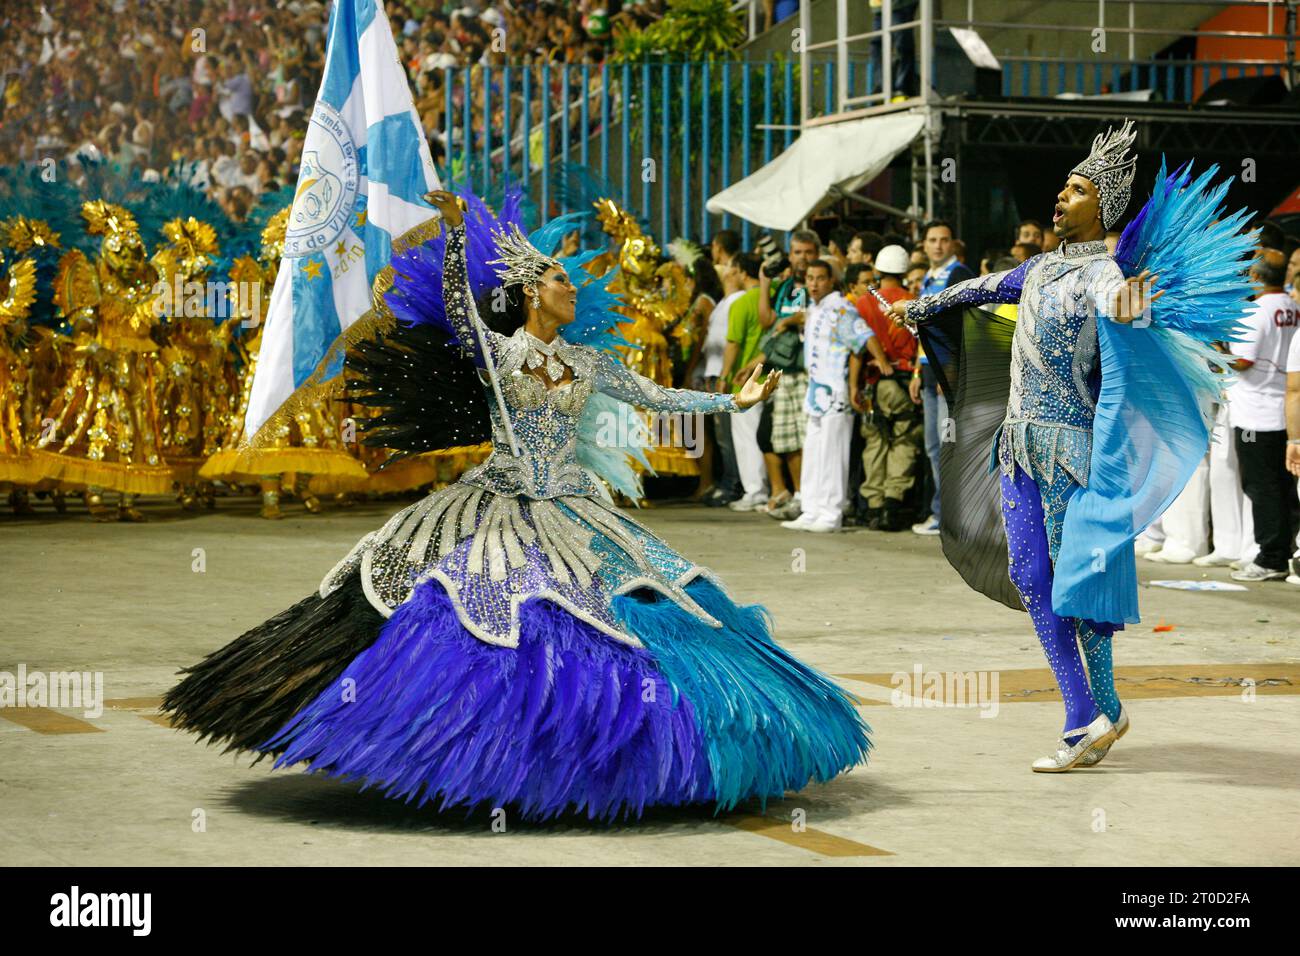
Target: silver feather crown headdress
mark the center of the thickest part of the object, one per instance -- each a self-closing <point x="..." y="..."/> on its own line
<point x="1111" y="168"/>
<point x="520" y="262"/>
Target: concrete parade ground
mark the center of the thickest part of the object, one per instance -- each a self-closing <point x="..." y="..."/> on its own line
<point x="955" y="688"/>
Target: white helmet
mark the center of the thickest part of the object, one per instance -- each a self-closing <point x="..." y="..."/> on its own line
<point x="893" y="260"/>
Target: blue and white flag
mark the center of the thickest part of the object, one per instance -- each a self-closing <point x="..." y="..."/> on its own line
<point x="365" y="168"/>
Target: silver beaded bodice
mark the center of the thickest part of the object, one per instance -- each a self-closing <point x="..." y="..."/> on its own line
<point x="547" y="419"/>
<point x="1061" y="295"/>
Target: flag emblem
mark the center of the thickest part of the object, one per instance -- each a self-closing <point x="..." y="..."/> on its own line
<point x="327" y="184"/>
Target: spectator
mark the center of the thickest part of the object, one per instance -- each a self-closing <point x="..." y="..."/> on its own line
<point x="863" y="247"/>
<point x="1024" y="250"/>
<point x="252" y="174"/>
<point x="225" y="169"/>
<point x="837" y="251"/>
<point x="1293" y="431"/>
<point x="892" y="423"/>
<point x="1030" y="231"/>
<point x="725" y="247"/>
<point x="833" y="330"/>
<point x="944" y="271"/>
<point x="1258" y="416"/>
<point x="742" y="353"/>
<point x="990" y="256"/>
<point x="710" y="371"/>
<point x="781" y="311"/>
<point x="902" y="45"/>
<point x="235" y="94"/>
<point x="915" y="279"/>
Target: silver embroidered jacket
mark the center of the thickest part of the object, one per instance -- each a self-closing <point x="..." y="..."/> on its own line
<point x="1061" y="296"/>
<point x="532" y="525"/>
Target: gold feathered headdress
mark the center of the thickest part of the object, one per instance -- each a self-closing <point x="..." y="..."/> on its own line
<point x="107" y="219"/>
<point x="193" y="244"/>
<point x="21" y="233"/>
<point x="638" y="253"/>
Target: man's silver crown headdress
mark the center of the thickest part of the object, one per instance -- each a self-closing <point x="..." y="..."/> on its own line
<point x="520" y="262"/>
<point x="1111" y="168"/>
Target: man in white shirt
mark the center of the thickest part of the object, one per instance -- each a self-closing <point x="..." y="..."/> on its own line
<point x="1293" y="433"/>
<point x="224" y="170"/>
<point x="833" y="330"/>
<point x="1258" y="416"/>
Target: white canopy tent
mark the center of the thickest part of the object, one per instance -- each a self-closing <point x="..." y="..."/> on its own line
<point x="838" y="156"/>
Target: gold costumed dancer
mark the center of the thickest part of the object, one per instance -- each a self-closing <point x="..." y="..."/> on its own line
<point x="310" y="442"/>
<point x="30" y="356"/>
<point x="17" y="294"/>
<point x="194" y="367"/>
<point x="103" y="425"/>
<point x="654" y="297"/>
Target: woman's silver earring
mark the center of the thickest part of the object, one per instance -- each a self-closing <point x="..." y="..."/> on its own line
<point x="537" y="300"/>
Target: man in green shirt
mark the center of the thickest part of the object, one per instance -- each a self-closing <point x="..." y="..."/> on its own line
<point x="744" y="333"/>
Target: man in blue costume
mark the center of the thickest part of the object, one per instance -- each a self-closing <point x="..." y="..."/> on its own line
<point x="1045" y="443"/>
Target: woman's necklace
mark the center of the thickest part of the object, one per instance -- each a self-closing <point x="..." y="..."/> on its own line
<point x="540" y="352"/>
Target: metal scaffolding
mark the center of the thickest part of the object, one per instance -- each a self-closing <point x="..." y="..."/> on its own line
<point x="1042" y="120"/>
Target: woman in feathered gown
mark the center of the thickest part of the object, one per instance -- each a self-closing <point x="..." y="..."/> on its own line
<point x="516" y="639"/>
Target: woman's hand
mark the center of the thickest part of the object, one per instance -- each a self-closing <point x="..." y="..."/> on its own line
<point x="448" y="206"/>
<point x="753" y="392"/>
<point x="1293" y="459"/>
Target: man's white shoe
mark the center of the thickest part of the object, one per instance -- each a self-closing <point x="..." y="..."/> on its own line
<point x="1293" y="579"/>
<point x="801" y="523"/>
<point x="1144" y="546"/>
<point x="1168" y="555"/>
<point x="1255" y="572"/>
<point x="1212" y="561"/>
<point x="746" y="503"/>
<point x="930" y="526"/>
<point x="821" y="527"/>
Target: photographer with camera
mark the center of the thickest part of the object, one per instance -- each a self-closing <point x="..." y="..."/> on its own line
<point x="891" y="425"/>
<point x="782" y="302"/>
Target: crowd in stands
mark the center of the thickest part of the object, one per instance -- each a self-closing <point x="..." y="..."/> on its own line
<point x="223" y="87"/>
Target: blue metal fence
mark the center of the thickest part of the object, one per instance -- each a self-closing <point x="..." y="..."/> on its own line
<point x="688" y="130"/>
<point x="683" y="130"/>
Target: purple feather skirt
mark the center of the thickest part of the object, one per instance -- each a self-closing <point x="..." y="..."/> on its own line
<point x="569" y="721"/>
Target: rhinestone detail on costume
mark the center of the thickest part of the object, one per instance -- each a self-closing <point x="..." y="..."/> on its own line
<point x="532" y="525"/>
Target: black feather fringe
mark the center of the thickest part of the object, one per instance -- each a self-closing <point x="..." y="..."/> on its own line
<point x="428" y="391"/>
<point x="245" y="692"/>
